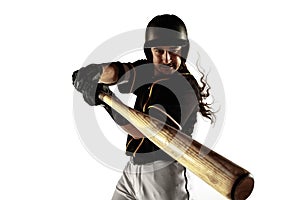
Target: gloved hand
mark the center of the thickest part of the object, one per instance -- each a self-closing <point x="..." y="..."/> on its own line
<point x="87" y="77"/>
<point x="90" y="95"/>
<point x="85" y="80"/>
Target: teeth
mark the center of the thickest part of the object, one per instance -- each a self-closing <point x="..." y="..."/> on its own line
<point x="167" y="65"/>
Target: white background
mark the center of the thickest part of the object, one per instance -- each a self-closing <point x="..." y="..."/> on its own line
<point x="255" y="46"/>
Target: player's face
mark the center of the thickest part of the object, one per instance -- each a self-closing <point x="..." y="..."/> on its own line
<point x="166" y="59"/>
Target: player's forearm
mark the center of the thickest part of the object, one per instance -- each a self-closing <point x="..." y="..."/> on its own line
<point x="131" y="130"/>
<point x="113" y="72"/>
<point x="109" y="74"/>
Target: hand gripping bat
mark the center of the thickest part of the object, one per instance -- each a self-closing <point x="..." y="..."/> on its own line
<point x="226" y="177"/>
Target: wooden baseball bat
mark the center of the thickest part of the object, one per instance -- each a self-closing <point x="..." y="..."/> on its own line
<point x="226" y="177"/>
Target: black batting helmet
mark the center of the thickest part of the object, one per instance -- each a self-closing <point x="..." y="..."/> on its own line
<point x="166" y="30"/>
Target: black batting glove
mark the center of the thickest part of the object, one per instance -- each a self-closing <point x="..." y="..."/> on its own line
<point x="87" y="77"/>
<point x="90" y="95"/>
<point x="85" y="80"/>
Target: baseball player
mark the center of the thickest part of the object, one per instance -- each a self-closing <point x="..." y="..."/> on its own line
<point x="165" y="89"/>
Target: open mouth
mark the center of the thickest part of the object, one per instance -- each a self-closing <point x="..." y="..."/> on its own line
<point x="167" y="66"/>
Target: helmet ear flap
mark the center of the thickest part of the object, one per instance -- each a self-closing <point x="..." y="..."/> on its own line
<point x="185" y="51"/>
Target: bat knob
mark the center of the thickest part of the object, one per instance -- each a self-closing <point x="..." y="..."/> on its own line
<point x="242" y="187"/>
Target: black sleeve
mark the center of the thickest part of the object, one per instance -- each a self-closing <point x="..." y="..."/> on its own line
<point x="135" y="75"/>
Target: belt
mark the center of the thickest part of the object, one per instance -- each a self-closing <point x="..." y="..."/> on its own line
<point x="149" y="157"/>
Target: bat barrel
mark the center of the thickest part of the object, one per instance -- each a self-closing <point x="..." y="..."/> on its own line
<point x="229" y="179"/>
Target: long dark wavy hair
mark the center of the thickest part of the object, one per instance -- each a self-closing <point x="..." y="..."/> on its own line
<point x="201" y="91"/>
